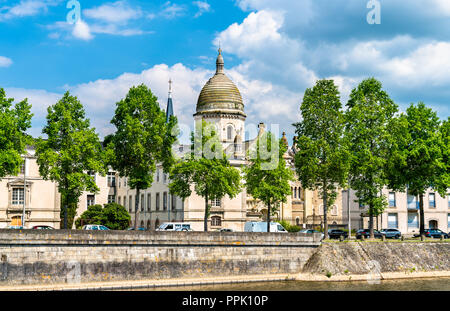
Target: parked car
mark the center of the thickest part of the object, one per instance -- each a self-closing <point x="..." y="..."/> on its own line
<point x="261" y="226"/>
<point x="434" y="233"/>
<point x="311" y="231"/>
<point x="43" y="227"/>
<point x="392" y="233"/>
<point x="336" y="233"/>
<point x="226" y="230"/>
<point x="174" y="226"/>
<point x="366" y="233"/>
<point x="94" y="227"/>
<point x="139" y="229"/>
<point x="16" y="227"/>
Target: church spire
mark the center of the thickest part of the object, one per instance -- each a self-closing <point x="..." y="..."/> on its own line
<point x="169" y="109"/>
<point x="219" y="62"/>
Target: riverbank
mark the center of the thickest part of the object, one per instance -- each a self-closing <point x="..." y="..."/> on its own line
<point x="179" y="284"/>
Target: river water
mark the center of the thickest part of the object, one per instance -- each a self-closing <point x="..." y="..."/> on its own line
<point x="440" y="284"/>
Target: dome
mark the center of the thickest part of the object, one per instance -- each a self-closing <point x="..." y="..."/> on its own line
<point x="220" y="94"/>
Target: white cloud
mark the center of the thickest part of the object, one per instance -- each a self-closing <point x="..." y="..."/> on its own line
<point x="172" y="10"/>
<point x="5" y="61"/>
<point x="118" y="12"/>
<point x="202" y="6"/>
<point x="26" y="8"/>
<point x="81" y="31"/>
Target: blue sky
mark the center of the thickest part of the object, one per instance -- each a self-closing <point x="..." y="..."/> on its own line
<point x="273" y="51"/>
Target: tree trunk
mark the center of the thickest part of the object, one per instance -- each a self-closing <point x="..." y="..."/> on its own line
<point x="136" y="209"/>
<point x="205" y="221"/>
<point x="268" y="217"/>
<point x="422" y="216"/>
<point x="325" y="210"/>
<point x="371" y="235"/>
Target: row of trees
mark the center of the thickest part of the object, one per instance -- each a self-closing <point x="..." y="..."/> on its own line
<point x="367" y="147"/>
<point x="370" y="146"/>
<point x="72" y="151"/>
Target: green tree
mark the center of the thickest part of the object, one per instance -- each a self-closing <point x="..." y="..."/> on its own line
<point x="93" y="215"/>
<point x="267" y="176"/>
<point x="14" y="121"/>
<point x="369" y="124"/>
<point x="207" y="168"/>
<point x="321" y="161"/>
<point x="142" y="139"/>
<point x="420" y="159"/>
<point x="71" y="150"/>
<point x="115" y="217"/>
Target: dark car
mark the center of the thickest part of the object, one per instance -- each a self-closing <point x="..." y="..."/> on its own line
<point x="43" y="227"/>
<point x="366" y="233"/>
<point x="139" y="229"/>
<point x="336" y="233"/>
<point x="392" y="233"/>
<point x="435" y="233"/>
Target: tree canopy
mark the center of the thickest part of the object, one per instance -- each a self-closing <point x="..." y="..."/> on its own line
<point x="15" y="120"/>
<point x="142" y="139"/>
<point x="419" y="160"/>
<point x="369" y="129"/>
<point x="267" y="176"/>
<point x="322" y="156"/>
<point x="207" y="168"/>
<point x="71" y="150"/>
<point x="112" y="215"/>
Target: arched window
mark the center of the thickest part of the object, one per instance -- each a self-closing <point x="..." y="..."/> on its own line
<point x="229" y="132"/>
<point x="142" y="223"/>
<point x="297" y="221"/>
<point x="148" y="224"/>
<point x="156" y="223"/>
<point x="295" y="193"/>
<point x="216" y="221"/>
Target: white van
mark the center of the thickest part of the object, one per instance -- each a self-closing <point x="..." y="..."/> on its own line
<point x="174" y="226"/>
<point x="261" y="226"/>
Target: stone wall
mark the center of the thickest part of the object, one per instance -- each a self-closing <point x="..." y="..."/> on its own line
<point x="368" y="257"/>
<point x="72" y="256"/>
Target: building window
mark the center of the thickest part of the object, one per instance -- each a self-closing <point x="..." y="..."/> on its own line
<point x="22" y="167"/>
<point x="157" y="175"/>
<point x="295" y="193"/>
<point x="412" y="221"/>
<point x="216" y="221"/>
<point x="17" y="196"/>
<point x="125" y="202"/>
<point x="164" y="177"/>
<point x="111" y="179"/>
<point x="149" y="201"/>
<point x="111" y="198"/>
<point x="297" y="221"/>
<point x="120" y="201"/>
<point x="164" y="201"/>
<point x="432" y="200"/>
<point x="157" y="201"/>
<point x="90" y="200"/>
<point x="361" y="205"/>
<point x="334" y="210"/>
<point x="142" y="202"/>
<point x="229" y="132"/>
<point x="448" y="200"/>
<point x="448" y="222"/>
<point x="130" y="203"/>
<point x="413" y="203"/>
<point x="215" y="202"/>
<point x="174" y="202"/>
<point x="392" y="202"/>
<point x="125" y="182"/>
<point x="392" y="221"/>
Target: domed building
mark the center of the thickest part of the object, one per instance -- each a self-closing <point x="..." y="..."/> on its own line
<point x="220" y="103"/>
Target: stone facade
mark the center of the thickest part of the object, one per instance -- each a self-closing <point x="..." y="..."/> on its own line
<point x="41" y="201"/>
<point x="403" y="212"/>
